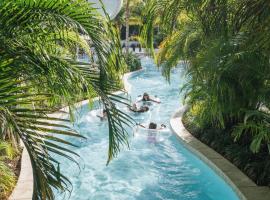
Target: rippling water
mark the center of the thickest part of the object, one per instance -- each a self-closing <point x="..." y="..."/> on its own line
<point x="154" y="167"/>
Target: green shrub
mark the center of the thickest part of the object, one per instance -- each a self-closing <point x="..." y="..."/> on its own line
<point x="7" y="176"/>
<point x="254" y="165"/>
<point x="7" y="150"/>
<point x="7" y="180"/>
<point x="133" y="62"/>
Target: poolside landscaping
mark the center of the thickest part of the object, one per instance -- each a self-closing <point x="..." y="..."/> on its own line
<point x="253" y="165"/>
<point x="224" y="46"/>
<point x="134" y="100"/>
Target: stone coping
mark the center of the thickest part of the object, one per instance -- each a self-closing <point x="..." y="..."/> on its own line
<point x="244" y="187"/>
<point x="24" y="187"/>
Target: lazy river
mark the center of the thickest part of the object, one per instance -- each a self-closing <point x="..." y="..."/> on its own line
<point x="149" y="170"/>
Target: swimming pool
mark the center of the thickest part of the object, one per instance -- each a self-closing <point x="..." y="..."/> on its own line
<point x="151" y="169"/>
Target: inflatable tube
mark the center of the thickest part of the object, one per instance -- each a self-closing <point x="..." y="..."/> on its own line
<point x="150" y="135"/>
<point x="138" y="111"/>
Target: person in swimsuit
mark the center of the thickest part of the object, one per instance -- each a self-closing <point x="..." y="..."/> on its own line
<point x="153" y="126"/>
<point x="146" y="98"/>
<point x="152" y="135"/>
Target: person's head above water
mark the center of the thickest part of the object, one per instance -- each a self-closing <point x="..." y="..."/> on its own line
<point x="146" y="96"/>
<point x="152" y="125"/>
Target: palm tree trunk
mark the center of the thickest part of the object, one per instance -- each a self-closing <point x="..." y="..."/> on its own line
<point x="127" y="27"/>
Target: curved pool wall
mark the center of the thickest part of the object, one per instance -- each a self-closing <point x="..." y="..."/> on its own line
<point x="155" y="167"/>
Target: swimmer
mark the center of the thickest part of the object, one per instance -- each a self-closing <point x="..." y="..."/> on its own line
<point x="103" y="116"/>
<point x="146" y="97"/>
<point x="153" y="126"/>
<point x="134" y="108"/>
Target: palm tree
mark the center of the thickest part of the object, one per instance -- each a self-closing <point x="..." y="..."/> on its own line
<point x="225" y="44"/>
<point x="227" y="60"/>
<point x="119" y="20"/>
<point x="38" y="73"/>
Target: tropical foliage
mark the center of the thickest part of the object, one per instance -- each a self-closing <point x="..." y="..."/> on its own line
<point x="7" y="176"/>
<point x="225" y="44"/>
<point x="133" y="62"/>
<point x="39" y="72"/>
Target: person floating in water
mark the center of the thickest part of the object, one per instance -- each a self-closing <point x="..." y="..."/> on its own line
<point x="104" y="115"/>
<point x="152" y="134"/>
<point x="153" y="126"/>
<point x="146" y="97"/>
<point x="142" y="109"/>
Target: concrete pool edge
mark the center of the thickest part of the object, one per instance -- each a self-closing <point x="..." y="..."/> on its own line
<point x="25" y="184"/>
<point x="245" y="188"/>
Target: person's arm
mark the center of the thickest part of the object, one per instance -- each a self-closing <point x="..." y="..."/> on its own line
<point x="141" y="125"/>
<point x="133" y="110"/>
<point x="154" y="100"/>
<point x="162" y="127"/>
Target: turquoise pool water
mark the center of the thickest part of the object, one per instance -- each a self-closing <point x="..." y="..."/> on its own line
<point x="159" y="169"/>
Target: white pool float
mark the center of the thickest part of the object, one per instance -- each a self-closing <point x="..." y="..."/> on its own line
<point x="152" y="135"/>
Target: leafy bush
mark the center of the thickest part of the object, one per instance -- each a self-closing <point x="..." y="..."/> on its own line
<point x="133" y="62"/>
<point x="256" y="166"/>
<point x="226" y="46"/>
<point x="7" y="176"/>
<point x="7" y="180"/>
